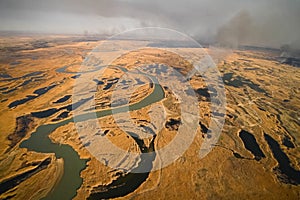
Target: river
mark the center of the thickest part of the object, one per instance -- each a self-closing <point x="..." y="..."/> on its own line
<point x="73" y="165"/>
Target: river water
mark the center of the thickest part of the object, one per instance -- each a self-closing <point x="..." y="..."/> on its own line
<point x="73" y="165"/>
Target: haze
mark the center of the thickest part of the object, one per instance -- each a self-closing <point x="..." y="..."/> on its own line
<point x="270" y="23"/>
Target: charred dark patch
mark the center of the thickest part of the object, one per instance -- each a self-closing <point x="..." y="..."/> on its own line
<point x="251" y="144"/>
<point x="4" y="75"/>
<point x="16" y="180"/>
<point x="43" y="90"/>
<point x="40" y="44"/>
<point x="3" y="88"/>
<point x="25" y="83"/>
<point x="77" y="104"/>
<point x="287" y="142"/>
<point x="217" y="114"/>
<point x="251" y="68"/>
<point x="238" y="82"/>
<point x="9" y="197"/>
<point x="173" y="124"/>
<point x="51" y="111"/>
<point x="103" y="133"/>
<point x="23" y="125"/>
<point x="173" y="44"/>
<point x="9" y="78"/>
<point x="45" y="113"/>
<point x="190" y="92"/>
<point x="63" y="99"/>
<point x="203" y="93"/>
<point x="21" y="101"/>
<point x="262" y="109"/>
<point x="204" y="130"/>
<point x="76" y="76"/>
<point x="139" y="82"/>
<point x="237" y="155"/>
<point x="38" y="93"/>
<point x="291" y="61"/>
<point x="32" y="74"/>
<point x="110" y="83"/>
<point x="15" y="63"/>
<point x="98" y="82"/>
<point x="61" y="116"/>
<point x="9" y="91"/>
<point x="285" y="173"/>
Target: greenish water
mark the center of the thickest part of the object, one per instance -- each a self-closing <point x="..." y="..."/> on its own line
<point x="73" y="165"/>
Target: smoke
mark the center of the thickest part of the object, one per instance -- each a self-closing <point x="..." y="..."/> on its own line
<point x="237" y="31"/>
<point x="272" y="24"/>
<point x="234" y="22"/>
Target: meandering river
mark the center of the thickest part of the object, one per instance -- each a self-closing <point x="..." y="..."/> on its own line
<point x="73" y="165"/>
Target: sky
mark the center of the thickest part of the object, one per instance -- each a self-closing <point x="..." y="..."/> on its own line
<point x="270" y="23"/>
